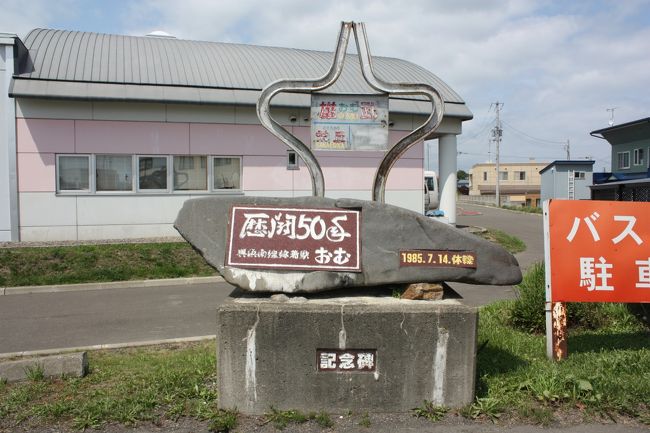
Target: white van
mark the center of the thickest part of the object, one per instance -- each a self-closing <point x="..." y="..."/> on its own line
<point x="431" y="196"/>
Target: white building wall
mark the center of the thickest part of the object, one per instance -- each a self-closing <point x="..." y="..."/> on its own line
<point x="8" y="188"/>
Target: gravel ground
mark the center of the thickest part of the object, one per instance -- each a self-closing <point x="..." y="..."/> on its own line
<point x="379" y="423"/>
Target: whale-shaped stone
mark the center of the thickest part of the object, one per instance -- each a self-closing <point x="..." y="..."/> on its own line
<point x="385" y="232"/>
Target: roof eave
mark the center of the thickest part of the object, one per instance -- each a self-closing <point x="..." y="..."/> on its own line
<point x="89" y="91"/>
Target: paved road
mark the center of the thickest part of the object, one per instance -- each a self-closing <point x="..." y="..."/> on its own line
<point x="527" y="227"/>
<point x="84" y="318"/>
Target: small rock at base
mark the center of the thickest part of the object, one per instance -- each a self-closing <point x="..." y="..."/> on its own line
<point x="427" y="291"/>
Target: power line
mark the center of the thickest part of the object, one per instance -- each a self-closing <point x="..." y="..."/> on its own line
<point x="563" y="143"/>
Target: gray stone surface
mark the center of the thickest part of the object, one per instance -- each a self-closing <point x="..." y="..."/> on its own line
<point x="267" y="353"/>
<point x="385" y="230"/>
<point x="69" y="364"/>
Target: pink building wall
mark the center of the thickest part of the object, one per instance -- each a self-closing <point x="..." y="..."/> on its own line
<point x="264" y="157"/>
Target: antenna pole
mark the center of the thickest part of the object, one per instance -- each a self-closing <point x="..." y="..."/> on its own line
<point x="611" y="117"/>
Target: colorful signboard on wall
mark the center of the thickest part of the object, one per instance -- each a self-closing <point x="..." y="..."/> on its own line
<point x="598" y="251"/>
<point x="340" y="122"/>
<point x="294" y="238"/>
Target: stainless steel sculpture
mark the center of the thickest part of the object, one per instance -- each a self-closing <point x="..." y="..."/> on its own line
<point x="310" y="86"/>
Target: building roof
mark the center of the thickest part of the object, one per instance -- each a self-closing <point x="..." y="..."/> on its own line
<point x="87" y="65"/>
<point x="508" y="164"/>
<point x="567" y="162"/>
<point x="621" y="126"/>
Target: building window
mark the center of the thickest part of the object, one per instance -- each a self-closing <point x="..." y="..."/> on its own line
<point x="146" y="173"/>
<point x="503" y="175"/>
<point x="292" y="160"/>
<point x="114" y="172"/>
<point x="520" y="175"/>
<point x="226" y="173"/>
<point x="152" y="173"/>
<point x="73" y="173"/>
<point x="623" y="160"/>
<point x="190" y="173"/>
<point x="579" y="175"/>
<point x="638" y="156"/>
<point x="485" y="176"/>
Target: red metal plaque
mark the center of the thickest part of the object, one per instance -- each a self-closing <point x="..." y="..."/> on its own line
<point x="294" y="238"/>
<point x="599" y="251"/>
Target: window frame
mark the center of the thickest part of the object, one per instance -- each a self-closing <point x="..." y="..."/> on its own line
<point x="211" y="187"/>
<point x="618" y="160"/>
<point x="91" y="170"/>
<point x="169" y="176"/>
<point x="638" y="156"/>
<point x="208" y="176"/>
<point x="296" y="164"/>
<point x="133" y="170"/>
<point x="505" y="172"/>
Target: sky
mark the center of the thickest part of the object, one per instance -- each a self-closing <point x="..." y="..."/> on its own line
<point x="556" y="66"/>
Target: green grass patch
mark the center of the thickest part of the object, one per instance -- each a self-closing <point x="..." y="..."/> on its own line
<point x="35" y="266"/>
<point x="511" y="243"/>
<point x="126" y="387"/>
<point x="282" y="418"/>
<point x="525" y="209"/>
<point x="430" y="411"/>
<point x="606" y="374"/>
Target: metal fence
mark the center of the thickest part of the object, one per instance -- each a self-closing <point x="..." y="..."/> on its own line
<point x="628" y="192"/>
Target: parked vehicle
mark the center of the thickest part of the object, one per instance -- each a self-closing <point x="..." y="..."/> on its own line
<point x="431" y="194"/>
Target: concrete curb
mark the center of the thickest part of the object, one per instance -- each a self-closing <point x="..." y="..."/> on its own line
<point x="69" y="364"/>
<point x="59" y="351"/>
<point x="458" y="204"/>
<point x="21" y="290"/>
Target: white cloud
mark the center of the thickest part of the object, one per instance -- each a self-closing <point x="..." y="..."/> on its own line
<point x="557" y="65"/>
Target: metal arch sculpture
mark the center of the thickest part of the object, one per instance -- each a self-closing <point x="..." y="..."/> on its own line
<point x="310" y="86"/>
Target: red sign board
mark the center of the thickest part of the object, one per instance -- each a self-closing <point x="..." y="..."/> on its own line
<point x="294" y="238"/>
<point x="598" y="251"/>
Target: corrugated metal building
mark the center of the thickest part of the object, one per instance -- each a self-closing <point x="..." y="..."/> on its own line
<point x="105" y="136"/>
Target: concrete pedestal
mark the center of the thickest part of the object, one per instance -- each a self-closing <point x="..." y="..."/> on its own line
<point x="269" y="351"/>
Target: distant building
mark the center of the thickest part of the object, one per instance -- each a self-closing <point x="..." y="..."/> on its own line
<point x="519" y="182"/>
<point x="567" y="179"/>
<point x="629" y="179"/>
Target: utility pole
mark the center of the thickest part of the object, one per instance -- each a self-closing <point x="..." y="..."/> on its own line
<point x="568" y="149"/>
<point x="497" y="133"/>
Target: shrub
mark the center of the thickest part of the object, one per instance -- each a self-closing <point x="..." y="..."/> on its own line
<point x="527" y="312"/>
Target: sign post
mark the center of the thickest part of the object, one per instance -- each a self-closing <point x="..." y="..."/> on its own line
<point x="595" y="251"/>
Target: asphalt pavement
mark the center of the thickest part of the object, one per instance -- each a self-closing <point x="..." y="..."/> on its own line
<point x="128" y="315"/>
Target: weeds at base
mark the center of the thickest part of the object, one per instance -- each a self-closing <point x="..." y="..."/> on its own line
<point x="282" y="418"/>
<point x="430" y="411"/>
<point x="223" y="421"/>
<point x="486" y="407"/>
<point x="365" y="420"/>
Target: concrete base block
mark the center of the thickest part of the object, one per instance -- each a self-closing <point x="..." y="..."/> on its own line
<point x="271" y="352"/>
<point x="70" y="364"/>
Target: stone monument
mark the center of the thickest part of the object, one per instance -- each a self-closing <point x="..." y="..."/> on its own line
<point x="314" y="323"/>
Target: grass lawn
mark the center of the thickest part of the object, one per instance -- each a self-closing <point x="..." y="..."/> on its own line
<point x="511" y="243"/>
<point x="607" y="376"/>
<point x="99" y="263"/>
